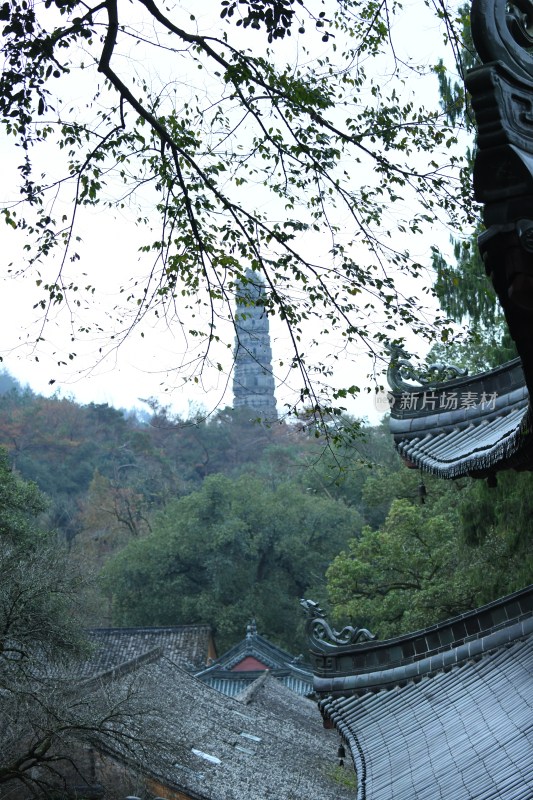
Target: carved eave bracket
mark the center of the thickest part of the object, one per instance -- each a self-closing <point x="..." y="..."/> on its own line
<point x="325" y="639"/>
<point x="501" y="90"/>
<point x="503" y="168"/>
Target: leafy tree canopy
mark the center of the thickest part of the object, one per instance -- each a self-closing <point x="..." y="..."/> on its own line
<point x="401" y="577"/>
<point x="501" y="517"/>
<point x="231" y="551"/>
<point x="259" y="138"/>
<point x="424" y="562"/>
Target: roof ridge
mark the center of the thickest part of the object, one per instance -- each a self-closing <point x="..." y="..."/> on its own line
<point x="399" y="675"/>
<point x="248" y="694"/>
<point x="125" y="668"/>
<point x="149" y="628"/>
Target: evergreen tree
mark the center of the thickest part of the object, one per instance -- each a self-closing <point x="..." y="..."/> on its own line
<point x="233" y="550"/>
<point x="419" y="563"/>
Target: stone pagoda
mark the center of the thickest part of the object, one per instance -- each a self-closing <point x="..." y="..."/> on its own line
<point x="253" y="380"/>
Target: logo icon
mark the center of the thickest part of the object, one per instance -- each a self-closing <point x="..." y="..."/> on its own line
<point x="384" y="401"/>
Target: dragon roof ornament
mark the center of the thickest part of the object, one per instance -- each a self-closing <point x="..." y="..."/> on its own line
<point x="323" y="637"/>
<point x="401" y="372"/>
<point x="502" y="30"/>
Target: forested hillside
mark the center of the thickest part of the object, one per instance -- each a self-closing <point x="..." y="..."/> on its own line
<point x="217" y="520"/>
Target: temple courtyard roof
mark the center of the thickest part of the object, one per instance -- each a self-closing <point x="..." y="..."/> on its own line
<point x="445" y="712"/>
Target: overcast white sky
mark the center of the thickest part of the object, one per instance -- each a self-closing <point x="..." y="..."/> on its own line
<point x="149" y="366"/>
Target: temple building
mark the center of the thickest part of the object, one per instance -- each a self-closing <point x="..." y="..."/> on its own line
<point x="453" y="425"/>
<point x="253" y="379"/>
<point x="252" y="658"/>
<point x="258" y="737"/>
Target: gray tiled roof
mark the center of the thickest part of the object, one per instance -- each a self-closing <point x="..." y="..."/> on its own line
<point x="188" y="646"/>
<point x="268" y="694"/>
<point x="368" y="666"/>
<point x="446" y="712"/>
<point x="269" y="745"/>
<point x="465" y="733"/>
<point x="467" y="426"/>
<point x="256" y="646"/>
